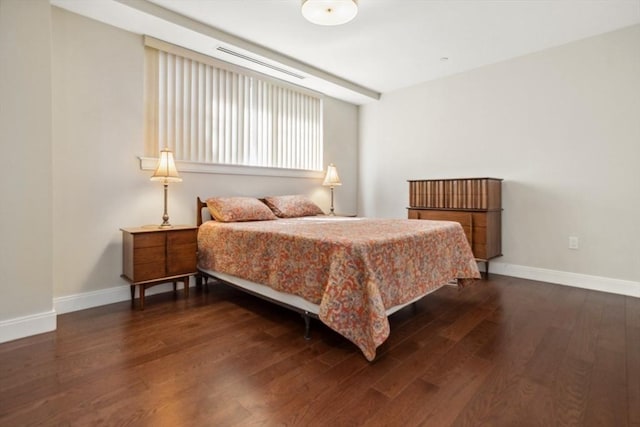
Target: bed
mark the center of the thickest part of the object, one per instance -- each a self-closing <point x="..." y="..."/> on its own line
<point x="350" y="273"/>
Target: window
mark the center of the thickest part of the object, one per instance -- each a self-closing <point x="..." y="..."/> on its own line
<point x="211" y="112"/>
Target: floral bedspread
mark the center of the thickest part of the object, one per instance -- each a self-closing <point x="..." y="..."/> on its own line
<point x="353" y="268"/>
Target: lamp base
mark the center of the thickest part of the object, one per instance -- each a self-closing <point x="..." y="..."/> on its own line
<point x="165" y="216"/>
<point x="331" y="212"/>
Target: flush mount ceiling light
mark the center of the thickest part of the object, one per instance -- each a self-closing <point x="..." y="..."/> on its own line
<point x="329" y="12"/>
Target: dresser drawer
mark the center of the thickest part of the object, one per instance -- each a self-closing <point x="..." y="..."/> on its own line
<point x="479" y="250"/>
<point x="482" y="229"/>
<point x="464" y="218"/>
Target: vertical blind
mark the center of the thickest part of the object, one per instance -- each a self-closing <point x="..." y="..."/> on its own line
<point x="216" y="114"/>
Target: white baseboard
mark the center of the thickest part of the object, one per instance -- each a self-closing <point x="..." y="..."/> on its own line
<point x="595" y="283"/>
<point x="21" y="327"/>
<point x="76" y="302"/>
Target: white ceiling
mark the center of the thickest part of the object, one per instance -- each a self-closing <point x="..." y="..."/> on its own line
<point x="389" y="45"/>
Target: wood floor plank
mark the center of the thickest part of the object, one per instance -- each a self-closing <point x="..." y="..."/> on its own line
<point x="533" y="405"/>
<point x="278" y="383"/>
<point x="571" y="390"/>
<point x="353" y="399"/>
<point x="358" y="408"/>
<point x="397" y="380"/>
<point x="448" y="365"/>
<point x="409" y="408"/>
<point x="457" y="392"/>
<point x="543" y="366"/>
<point x="585" y="332"/>
<point x="607" y="397"/>
<point x="572" y="301"/>
<point x="466" y="323"/>
<point x="302" y="409"/>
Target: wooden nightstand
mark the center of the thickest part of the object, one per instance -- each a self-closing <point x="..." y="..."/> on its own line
<point x="153" y="255"/>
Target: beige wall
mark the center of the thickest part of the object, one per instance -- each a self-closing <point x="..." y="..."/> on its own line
<point x="98" y="186"/>
<point x="562" y="127"/>
<point x="25" y="175"/>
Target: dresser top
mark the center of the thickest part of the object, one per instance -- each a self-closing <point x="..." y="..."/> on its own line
<point x="455" y="179"/>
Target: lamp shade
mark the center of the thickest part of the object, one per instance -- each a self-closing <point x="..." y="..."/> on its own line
<point x="329" y="12"/>
<point x="332" y="179"/>
<point x="166" y="170"/>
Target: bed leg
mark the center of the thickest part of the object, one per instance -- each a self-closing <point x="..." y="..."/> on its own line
<point x="201" y="279"/>
<point x="307" y="326"/>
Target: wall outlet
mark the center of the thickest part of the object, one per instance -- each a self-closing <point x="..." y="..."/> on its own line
<point x="573" y="242"/>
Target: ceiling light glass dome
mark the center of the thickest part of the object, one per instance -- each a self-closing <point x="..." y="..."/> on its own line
<point x="329" y="12"/>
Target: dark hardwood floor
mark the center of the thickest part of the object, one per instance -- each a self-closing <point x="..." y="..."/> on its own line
<point x="504" y="352"/>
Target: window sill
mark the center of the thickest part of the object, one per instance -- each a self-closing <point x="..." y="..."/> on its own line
<point x="150" y="163"/>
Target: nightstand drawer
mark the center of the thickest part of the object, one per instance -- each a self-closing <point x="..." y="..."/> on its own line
<point x="150" y="254"/>
<point x="181" y="237"/>
<point x="147" y="240"/>
<point x="181" y="264"/>
<point x="149" y="271"/>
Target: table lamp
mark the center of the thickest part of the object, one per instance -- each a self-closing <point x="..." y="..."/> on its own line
<point x="331" y="180"/>
<point x="166" y="172"/>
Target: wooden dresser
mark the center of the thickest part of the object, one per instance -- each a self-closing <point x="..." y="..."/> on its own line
<point x="153" y="255"/>
<point x="476" y="203"/>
